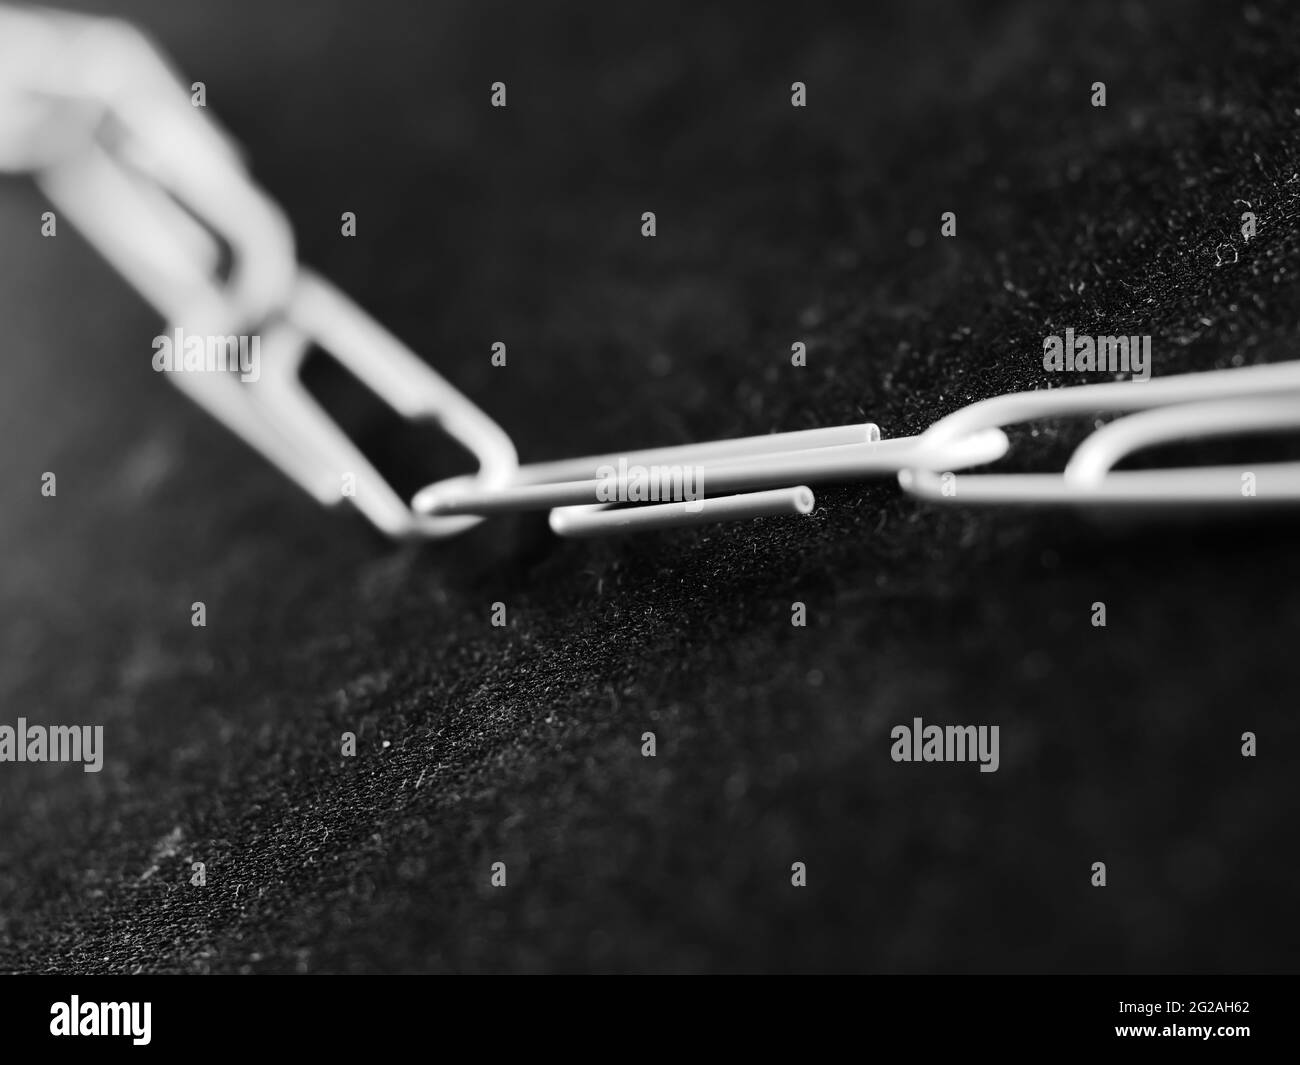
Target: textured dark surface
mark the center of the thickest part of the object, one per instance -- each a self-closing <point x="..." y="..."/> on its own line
<point x="522" y="744"/>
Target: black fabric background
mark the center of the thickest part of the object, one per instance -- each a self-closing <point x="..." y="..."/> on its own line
<point x="522" y="744"/>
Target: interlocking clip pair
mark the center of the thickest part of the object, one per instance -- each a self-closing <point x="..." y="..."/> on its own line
<point x="1250" y="400"/>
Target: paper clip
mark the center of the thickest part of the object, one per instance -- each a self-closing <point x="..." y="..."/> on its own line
<point x="94" y="111"/>
<point x="280" y="417"/>
<point x="1250" y="385"/>
<point x="757" y="476"/>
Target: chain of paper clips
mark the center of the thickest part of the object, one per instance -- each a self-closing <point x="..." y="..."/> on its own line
<point x="91" y="109"/>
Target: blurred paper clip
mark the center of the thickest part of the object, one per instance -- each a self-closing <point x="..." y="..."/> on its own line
<point x="91" y="108"/>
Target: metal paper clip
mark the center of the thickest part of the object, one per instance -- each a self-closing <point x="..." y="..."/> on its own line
<point x="319" y="314"/>
<point x="1250" y="385"/>
<point x="278" y="416"/>
<point x="756" y="476"/>
<point x="91" y="108"/>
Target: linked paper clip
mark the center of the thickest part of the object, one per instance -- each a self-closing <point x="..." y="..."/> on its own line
<point x="726" y="480"/>
<point x="1244" y="401"/>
